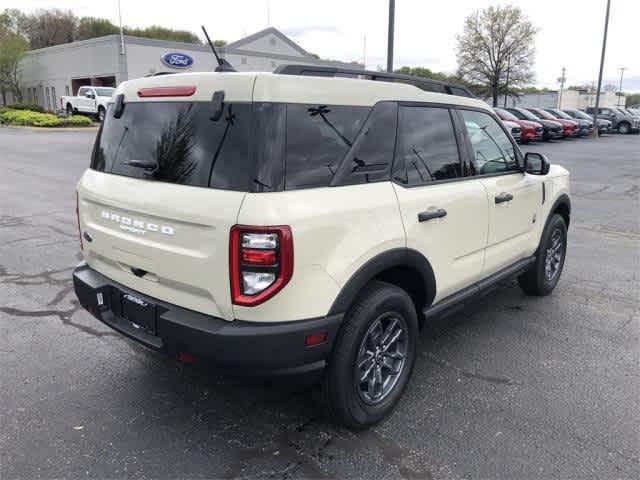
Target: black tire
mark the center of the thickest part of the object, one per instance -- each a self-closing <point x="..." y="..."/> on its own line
<point x="341" y="392"/>
<point x="536" y="280"/>
<point x="624" y="128"/>
<point x="101" y="114"/>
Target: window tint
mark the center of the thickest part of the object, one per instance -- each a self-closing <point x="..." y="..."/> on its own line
<point x="178" y="142"/>
<point x="492" y="150"/>
<point x="427" y="148"/>
<point x="371" y="157"/>
<point x="82" y="91"/>
<point x="317" y="139"/>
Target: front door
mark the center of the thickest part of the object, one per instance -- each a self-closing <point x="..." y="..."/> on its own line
<point x="445" y="216"/>
<point x="514" y="198"/>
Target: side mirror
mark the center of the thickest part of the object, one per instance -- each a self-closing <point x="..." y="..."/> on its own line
<point x="536" y="164"/>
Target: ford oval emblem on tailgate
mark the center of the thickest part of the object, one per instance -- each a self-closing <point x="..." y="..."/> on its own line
<point x="177" y="60"/>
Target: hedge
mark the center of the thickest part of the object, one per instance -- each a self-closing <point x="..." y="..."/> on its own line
<point x="10" y="116"/>
<point x="34" y="107"/>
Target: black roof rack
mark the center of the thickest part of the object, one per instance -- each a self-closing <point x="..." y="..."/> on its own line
<point x="427" y="84"/>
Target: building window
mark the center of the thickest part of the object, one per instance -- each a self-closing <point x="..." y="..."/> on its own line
<point x="243" y="60"/>
<point x="272" y="41"/>
<point x="47" y="98"/>
<point x="66" y="90"/>
<point x="54" y="100"/>
<point x="273" y="64"/>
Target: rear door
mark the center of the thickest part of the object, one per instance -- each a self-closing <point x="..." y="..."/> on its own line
<point x="165" y="186"/>
<point x="445" y="215"/>
<point x="514" y="198"/>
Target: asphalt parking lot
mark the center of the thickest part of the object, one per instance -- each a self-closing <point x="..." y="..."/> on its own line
<point x="510" y="387"/>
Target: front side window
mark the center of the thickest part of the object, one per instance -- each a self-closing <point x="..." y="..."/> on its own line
<point x="317" y="139"/>
<point x="492" y="150"/>
<point x="427" y="149"/>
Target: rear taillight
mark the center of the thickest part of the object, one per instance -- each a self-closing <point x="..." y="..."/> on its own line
<point x="78" y="220"/>
<point x="260" y="262"/>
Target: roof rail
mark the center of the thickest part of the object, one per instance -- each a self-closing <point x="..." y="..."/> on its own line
<point x="427" y="84"/>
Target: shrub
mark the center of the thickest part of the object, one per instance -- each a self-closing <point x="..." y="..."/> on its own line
<point x="76" y="121"/>
<point x="36" y="119"/>
<point x="34" y="107"/>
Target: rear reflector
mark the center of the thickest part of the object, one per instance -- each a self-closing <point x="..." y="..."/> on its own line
<point x="186" y="91"/>
<point x="315" y="339"/>
<point x="259" y="257"/>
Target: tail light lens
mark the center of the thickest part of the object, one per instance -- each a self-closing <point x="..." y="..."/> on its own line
<point x="260" y="263"/>
<point x="78" y="220"/>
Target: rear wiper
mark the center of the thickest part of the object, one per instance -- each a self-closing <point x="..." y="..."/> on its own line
<point x="141" y="164"/>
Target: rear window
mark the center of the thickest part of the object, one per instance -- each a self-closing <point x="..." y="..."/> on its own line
<point x="259" y="147"/>
<point x="179" y="143"/>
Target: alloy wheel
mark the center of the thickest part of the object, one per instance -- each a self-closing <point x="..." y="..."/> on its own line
<point x="381" y="358"/>
<point x="554" y="255"/>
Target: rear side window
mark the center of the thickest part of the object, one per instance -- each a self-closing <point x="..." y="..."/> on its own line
<point x="178" y="142"/>
<point x="427" y="149"/>
<point x="317" y="139"/>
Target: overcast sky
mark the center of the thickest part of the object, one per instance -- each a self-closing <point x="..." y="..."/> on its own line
<point x="570" y="30"/>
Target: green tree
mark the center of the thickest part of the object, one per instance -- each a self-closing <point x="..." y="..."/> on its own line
<point x="163" y="33"/>
<point x="92" y="27"/>
<point x="496" y="50"/>
<point x="633" y="99"/>
<point x="423" y="72"/>
<point x="13" y="46"/>
<point x="219" y="43"/>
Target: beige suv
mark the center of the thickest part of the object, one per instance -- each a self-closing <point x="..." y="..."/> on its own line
<point x="291" y="224"/>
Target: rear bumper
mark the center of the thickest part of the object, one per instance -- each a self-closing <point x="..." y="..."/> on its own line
<point x="246" y="348"/>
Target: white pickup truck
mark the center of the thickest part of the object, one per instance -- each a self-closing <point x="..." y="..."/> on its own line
<point x="90" y="100"/>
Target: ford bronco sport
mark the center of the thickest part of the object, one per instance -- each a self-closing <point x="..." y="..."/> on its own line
<point x="289" y="224"/>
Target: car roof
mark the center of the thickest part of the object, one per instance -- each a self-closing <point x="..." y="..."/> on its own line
<point x="271" y="87"/>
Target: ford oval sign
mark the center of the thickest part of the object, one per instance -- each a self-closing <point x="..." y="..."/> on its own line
<point x="177" y="60"/>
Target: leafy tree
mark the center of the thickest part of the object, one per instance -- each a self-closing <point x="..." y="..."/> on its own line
<point x="423" y="72"/>
<point x="633" y="99"/>
<point x="496" y="50"/>
<point x="46" y="28"/>
<point x="92" y="27"/>
<point x="219" y="43"/>
<point x="609" y="87"/>
<point x="163" y="33"/>
<point x="13" y="46"/>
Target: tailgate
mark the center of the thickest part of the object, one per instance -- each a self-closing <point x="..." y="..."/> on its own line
<point x="165" y="240"/>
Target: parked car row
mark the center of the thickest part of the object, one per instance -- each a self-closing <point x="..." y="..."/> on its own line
<point x="528" y="124"/>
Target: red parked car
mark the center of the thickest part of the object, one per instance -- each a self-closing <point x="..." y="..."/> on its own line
<point x="570" y="128"/>
<point x="529" y="130"/>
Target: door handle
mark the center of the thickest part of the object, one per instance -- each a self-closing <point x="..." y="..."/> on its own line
<point x="431" y="214"/>
<point x="503" y="197"/>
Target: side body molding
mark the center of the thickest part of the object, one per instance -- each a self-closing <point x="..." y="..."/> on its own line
<point x="397" y="257"/>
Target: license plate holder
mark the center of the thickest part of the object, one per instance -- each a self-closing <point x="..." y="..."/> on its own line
<point x="139" y="312"/>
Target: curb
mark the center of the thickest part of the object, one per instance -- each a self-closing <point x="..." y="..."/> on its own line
<point x="92" y="128"/>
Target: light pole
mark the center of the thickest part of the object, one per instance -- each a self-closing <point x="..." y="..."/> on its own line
<point x="622" y="69"/>
<point x="604" y="49"/>
<point x="561" y="80"/>
<point x="392" y="8"/>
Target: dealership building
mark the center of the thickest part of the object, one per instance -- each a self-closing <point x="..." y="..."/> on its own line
<point x="48" y="73"/>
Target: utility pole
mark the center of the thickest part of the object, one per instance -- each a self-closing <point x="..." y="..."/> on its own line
<point x="268" y="13"/>
<point x="122" y="52"/>
<point x="604" y="49"/>
<point x="561" y="80"/>
<point x="622" y="69"/>
<point x="506" y="84"/>
<point x="392" y="13"/>
<point x="364" y="51"/>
